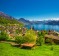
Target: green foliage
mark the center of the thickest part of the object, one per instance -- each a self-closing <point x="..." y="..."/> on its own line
<point x="39" y="33"/>
<point x="29" y="37"/>
<point x="17" y="31"/>
<point x="48" y="40"/>
<point x="5" y="21"/>
<point x="3" y="36"/>
<point x="19" y="39"/>
<point x="40" y="39"/>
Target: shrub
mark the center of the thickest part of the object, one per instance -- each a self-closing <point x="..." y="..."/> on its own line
<point x="40" y="39"/>
<point x="3" y="35"/>
<point x="19" y="39"/>
<point x="29" y="37"/>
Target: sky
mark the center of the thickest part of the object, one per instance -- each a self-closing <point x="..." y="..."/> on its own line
<point x="31" y="9"/>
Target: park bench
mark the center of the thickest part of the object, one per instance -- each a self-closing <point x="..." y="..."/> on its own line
<point x="27" y="45"/>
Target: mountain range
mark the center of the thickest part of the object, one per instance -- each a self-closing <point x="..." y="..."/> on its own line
<point x="24" y="21"/>
<point x="5" y="19"/>
<point x="2" y="14"/>
<point x="48" y="22"/>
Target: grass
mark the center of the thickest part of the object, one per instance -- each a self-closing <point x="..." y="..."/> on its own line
<point x="8" y="50"/>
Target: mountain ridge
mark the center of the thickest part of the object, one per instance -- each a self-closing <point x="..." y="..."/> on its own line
<point x="48" y="22"/>
<point x="6" y="19"/>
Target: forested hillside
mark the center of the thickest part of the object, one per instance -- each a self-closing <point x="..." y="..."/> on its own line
<point x="6" y="19"/>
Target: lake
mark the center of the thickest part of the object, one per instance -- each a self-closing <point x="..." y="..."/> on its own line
<point x="43" y="27"/>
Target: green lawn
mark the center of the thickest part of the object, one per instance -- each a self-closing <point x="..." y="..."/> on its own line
<point x="8" y="50"/>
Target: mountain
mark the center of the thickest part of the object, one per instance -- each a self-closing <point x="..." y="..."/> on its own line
<point x="2" y="14"/>
<point x="26" y="22"/>
<point x="52" y="22"/>
<point x="6" y="19"/>
<point x="37" y="22"/>
<point x="48" y="22"/>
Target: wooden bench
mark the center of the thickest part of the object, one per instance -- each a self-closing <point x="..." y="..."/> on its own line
<point x="27" y="45"/>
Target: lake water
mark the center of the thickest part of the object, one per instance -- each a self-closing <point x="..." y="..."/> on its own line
<point x="43" y="27"/>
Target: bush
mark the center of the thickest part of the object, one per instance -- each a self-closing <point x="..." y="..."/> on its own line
<point x="29" y="37"/>
<point x="19" y="39"/>
<point x="40" y="39"/>
<point x="3" y="36"/>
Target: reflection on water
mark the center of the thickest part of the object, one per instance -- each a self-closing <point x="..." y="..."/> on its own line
<point x="44" y="27"/>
